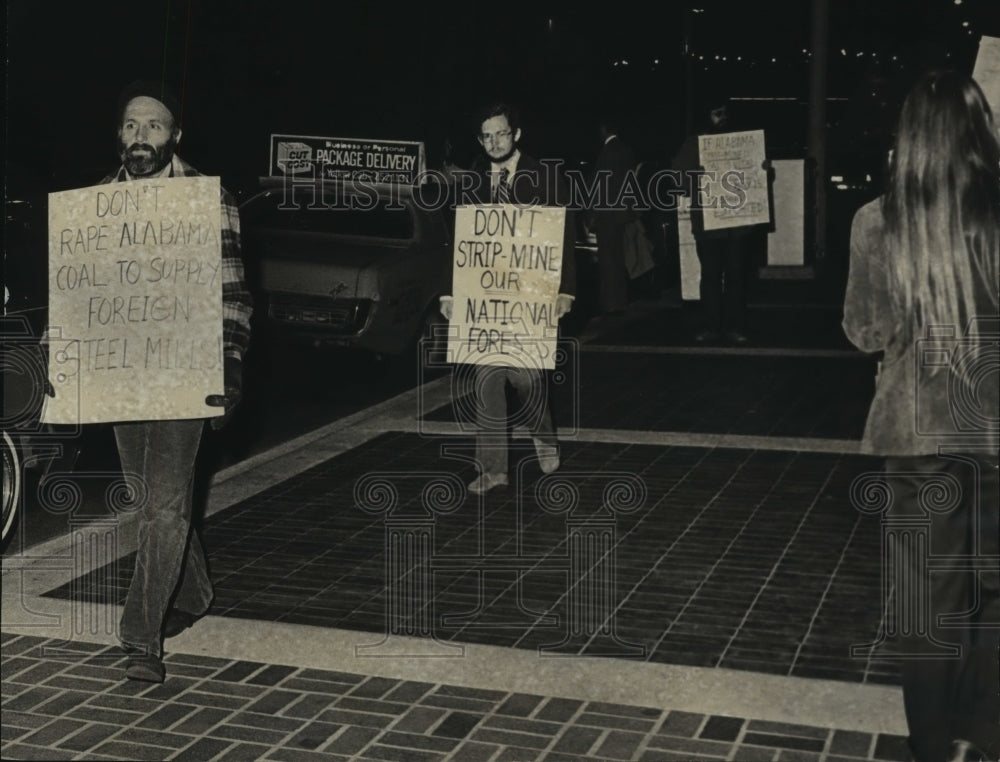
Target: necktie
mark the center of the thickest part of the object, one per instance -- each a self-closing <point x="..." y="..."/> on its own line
<point x="502" y="195"/>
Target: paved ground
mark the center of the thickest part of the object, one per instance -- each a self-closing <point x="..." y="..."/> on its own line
<point x="693" y="583"/>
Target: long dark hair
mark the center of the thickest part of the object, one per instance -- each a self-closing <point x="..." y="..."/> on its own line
<point x="942" y="205"/>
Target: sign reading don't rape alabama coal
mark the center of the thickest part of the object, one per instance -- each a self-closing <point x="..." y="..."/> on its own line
<point x="135" y="301"/>
<point x="505" y="280"/>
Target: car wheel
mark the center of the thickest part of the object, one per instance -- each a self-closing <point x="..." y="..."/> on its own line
<point x="11" y="484"/>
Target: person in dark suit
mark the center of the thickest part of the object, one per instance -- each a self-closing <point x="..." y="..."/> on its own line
<point x="721" y="253"/>
<point x="509" y="176"/>
<point x="610" y="216"/>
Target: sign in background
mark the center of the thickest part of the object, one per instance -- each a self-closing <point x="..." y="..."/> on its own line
<point x="505" y="281"/>
<point x="688" y="252"/>
<point x="135" y="301"/>
<point x="376" y="161"/>
<point x="786" y="243"/>
<point x="730" y="202"/>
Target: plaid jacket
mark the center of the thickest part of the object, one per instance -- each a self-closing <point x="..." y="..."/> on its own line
<point x="237" y="304"/>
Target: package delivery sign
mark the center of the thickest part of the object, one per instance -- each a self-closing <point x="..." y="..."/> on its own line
<point x="375" y="161"/>
<point x="505" y="280"/>
<point x="135" y="301"/>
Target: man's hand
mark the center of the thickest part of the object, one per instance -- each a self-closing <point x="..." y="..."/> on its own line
<point x="447" y="307"/>
<point x="233" y="384"/>
<point x="564" y="303"/>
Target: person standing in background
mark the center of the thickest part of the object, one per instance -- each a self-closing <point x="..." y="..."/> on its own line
<point x="721" y="253"/>
<point x="610" y="216"/>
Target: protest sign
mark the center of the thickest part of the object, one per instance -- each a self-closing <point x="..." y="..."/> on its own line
<point x="380" y="162"/>
<point x="688" y="252"/>
<point x="508" y="261"/>
<point x="734" y="193"/>
<point x="135" y="301"/>
<point x="987" y="72"/>
<point x="786" y="243"/>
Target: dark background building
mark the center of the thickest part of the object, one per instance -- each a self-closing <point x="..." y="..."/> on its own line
<point x="413" y="71"/>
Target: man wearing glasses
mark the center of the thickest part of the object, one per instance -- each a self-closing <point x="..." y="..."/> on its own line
<point x="509" y="176"/>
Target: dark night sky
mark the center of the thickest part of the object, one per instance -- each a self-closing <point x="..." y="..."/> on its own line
<point x="415" y="71"/>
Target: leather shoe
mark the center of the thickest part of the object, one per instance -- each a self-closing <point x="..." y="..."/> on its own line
<point x="737" y="338"/>
<point x="177" y="621"/>
<point x="548" y="456"/>
<point x="144" y="666"/>
<point x="486" y="482"/>
<point x="706" y="337"/>
<point x="966" y="751"/>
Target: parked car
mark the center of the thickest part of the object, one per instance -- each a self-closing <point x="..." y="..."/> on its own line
<point x="363" y="272"/>
<point x="26" y="442"/>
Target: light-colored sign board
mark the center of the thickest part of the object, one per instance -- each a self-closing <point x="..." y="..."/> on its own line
<point x="734" y="192"/>
<point x="135" y="301"/>
<point x="505" y="281"/>
<point x="688" y="251"/>
<point x="786" y="243"/>
<point x="987" y="73"/>
<point x="380" y="162"/>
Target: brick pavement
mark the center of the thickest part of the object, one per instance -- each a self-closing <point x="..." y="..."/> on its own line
<point x="736" y="559"/>
<point x="67" y="701"/>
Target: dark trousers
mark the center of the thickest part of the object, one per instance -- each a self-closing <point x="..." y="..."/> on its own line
<point x="493" y="418"/>
<point x="951" y="697"/>
<point x="158" y="459"/>
<point x="614" y="280"/>
<point x="722" y="281"/>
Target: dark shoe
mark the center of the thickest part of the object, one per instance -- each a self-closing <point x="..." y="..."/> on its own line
<point x="737" y="338"/>
<point x="144" y="666"/>
<point x="706" y="337"/>
<point x="965" y="751"/>
<point x="177" y="621"/>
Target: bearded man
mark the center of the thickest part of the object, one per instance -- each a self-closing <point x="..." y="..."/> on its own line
<point x="170" y="586"/>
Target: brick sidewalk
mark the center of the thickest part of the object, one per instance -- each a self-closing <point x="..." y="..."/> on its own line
<point x="68" y="702"/>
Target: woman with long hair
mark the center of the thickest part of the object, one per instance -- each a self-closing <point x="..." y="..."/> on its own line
<point x="924" y="289"/>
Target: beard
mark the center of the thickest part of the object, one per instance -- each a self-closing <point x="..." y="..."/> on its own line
<point x="143" y="159"/>
<point x="502" y="158"/>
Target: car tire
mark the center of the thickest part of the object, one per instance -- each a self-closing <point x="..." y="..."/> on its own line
<point x="11" y="485"/>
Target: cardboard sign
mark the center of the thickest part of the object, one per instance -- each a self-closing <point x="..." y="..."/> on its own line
<point x="688" y="252"/>
<point x="508" y="262"/>
<point x="735" y="193"/>
<point x="786" y="243"/>
<point x="987" y="73"/>
<point x="380" y="162"/>
<point x="135" y="301"/>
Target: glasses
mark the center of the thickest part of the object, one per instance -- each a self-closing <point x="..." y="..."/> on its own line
<point x="493" y="137"/>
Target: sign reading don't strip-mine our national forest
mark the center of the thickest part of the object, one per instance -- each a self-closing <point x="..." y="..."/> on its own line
<point x="505" y="280"/>
<point x="135" y="301"/>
